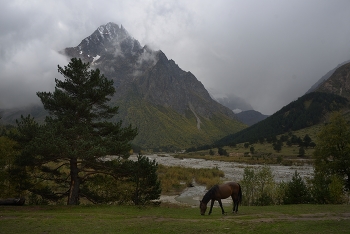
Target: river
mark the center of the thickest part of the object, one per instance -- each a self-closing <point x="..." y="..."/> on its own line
<point x="233" y="172"/>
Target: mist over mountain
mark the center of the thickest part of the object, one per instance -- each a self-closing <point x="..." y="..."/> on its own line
<point x="331" y="93"/>
<point x="235" y="103"/>
<point x="325" y="77"/>
<point x="168" y="105"/>
<point x="135" y="68"/>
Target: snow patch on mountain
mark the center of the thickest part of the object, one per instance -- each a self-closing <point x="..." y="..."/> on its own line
<point x="97" y="57"/>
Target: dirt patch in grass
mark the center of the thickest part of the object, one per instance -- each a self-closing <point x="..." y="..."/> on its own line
<point x="282" y="217"/>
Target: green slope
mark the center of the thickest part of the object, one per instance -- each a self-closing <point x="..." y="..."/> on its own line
<point x="163" y="128"/>
<point x="308" y="110"/>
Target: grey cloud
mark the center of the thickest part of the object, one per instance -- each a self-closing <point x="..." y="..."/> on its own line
<point x="265" y="52"/>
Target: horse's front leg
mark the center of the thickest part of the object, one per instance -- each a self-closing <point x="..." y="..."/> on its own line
<point x="211" y="206"/>
<point x="222" y="208"/>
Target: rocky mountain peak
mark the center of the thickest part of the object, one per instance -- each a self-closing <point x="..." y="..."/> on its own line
<point x="151" y="86"/>
<point x="156" y="78"/>
<point x="109" y="39"/>
<point x="111" y="32"/>
<point x="170" y="107"/>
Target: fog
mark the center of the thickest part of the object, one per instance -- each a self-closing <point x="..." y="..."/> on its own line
<point x="267" y="53"/>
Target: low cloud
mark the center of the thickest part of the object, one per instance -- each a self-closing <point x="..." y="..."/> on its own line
<point x="266" y="52"/>
<point x="30" y="70"/>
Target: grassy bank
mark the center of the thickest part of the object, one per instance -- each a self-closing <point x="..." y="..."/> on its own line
<point x="175" y="179"/>
<point x="174" y="219"/>
<point x="263" y="154"/>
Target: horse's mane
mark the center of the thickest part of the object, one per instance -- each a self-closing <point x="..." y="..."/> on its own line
<point x="208" y="195"/>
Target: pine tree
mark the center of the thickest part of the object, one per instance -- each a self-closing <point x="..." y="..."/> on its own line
<point x="296" y="191"/>
<point x="69" y="147"/>
<point x="145" y="180"/>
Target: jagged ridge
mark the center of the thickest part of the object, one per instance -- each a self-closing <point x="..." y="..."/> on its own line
<point x="142" y="75"/>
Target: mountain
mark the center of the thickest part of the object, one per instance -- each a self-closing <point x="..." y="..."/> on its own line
<point x="243" y="110"/>
<point x="325" y="77"/>
<point x="250" y="117"/>
<point x="170" y="107"/>
<point x="235" y="103"/>
<point x="311" y="109"/>
<point x="9" y="116"/>
<point x="330" y="93"/>
<point x="338" y="83"/>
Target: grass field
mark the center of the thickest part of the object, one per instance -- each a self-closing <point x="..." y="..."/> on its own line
<point x="169" y="218"/>
<point x="264" y="153"/>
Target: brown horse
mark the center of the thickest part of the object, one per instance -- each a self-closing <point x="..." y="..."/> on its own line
<point x="219" y="192"/>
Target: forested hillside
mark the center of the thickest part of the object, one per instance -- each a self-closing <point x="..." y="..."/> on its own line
<point x="308" y="110"/>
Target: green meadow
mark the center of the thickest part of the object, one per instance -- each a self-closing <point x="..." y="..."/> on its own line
<point x="169" y="218"/>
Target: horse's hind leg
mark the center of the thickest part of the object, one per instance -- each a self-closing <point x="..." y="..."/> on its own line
<point x="235" y="209"/>
<point x="235" y="205"/>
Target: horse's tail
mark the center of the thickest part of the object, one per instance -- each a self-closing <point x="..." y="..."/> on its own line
<point x="240" y="194"/>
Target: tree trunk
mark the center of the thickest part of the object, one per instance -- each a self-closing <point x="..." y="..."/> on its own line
<point x="12" y="202"/>
<point x="73" y="197"/>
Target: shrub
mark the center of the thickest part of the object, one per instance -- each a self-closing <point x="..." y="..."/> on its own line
<point x="296" y="191"/>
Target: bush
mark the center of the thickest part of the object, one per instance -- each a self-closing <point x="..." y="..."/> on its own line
<point x="296" y="191"/>
<point x="258" y="186"/>
<point x="327" y="189"/>
<point x="264" y="200"/>
<point x="211" y="152"/>
<point x="222" y="152"/>
<point x="145" y="180"/>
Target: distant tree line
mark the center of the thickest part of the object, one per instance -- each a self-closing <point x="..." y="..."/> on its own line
<point x="288" y="139"/>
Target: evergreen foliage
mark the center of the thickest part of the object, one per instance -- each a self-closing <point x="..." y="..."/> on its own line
<point x="252" y="149"/>
<point x="211" y="152"/>
<point x="260" y="188"/>
<point x="296" y="191"/>
<point x="222" y="152"/>
<point x="308" y="110"/>
<point x="301" y="151"/>
<point x="327" y="189"/>
<point x="7" y="156"/>
<point x="332" y="153"/>
<point x="61" y="155"/>
<point x="145" y="180"/>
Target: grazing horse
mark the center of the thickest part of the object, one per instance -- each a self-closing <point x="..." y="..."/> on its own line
<point x="219" y="192"/>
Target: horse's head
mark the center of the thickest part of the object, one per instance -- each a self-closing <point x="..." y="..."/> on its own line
<point x="202" y="207"/>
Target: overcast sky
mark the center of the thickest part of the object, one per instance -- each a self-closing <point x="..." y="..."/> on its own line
<point x="267" y="52"/>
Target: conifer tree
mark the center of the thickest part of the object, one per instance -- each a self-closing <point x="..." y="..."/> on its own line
<point x="69" y="148"/>
<point x="145" y="180"/>
<point x="297" y="191"/>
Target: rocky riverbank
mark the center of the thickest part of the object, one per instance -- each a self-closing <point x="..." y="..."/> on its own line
<point x="233" y="172"/>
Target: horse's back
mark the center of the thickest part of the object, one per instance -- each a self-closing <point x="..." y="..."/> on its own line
<point x="234" y="186"/>
<point x="236" y="190"/>
<point x="228" y="189"/>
